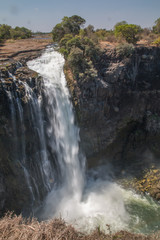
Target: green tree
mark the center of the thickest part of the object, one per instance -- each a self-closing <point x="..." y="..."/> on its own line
<point x="76" y="61"/>
<point x="75" y="42"/>
<point x="20" y="33"/>
<point x="69" y="25"/>
<point x="120" y="23"/>
<point x="128" y="31"/>
<point x="156" y="28"/>
<point x="65" y="39"/>
<point x="101" y="34"/>
<point x="58" y="32"/>
<point x="5" y="31"/>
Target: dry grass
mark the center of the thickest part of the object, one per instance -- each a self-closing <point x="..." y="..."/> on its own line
<point x="14" y="227"/>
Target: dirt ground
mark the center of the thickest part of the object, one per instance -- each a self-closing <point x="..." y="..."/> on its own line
<point x="18" y="49"/>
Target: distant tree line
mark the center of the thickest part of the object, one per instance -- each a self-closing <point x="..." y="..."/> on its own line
<point x="7" y="32"/>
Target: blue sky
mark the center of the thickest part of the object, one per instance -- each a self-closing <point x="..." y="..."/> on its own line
<point x="43" y="15"/>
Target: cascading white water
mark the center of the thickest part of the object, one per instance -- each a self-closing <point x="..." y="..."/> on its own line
<point x="99" y="202"/>
<point x="62" y="133"/>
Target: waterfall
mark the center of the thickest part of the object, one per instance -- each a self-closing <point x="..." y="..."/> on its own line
<point x="46" y="160"/>
<point x="61" y="132"/>
<point x="98" y="202"/>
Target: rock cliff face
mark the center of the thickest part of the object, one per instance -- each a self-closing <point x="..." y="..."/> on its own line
<point x="12" y="96"/>
<point x="23" y="181"/>
<point x="118" y="112"/>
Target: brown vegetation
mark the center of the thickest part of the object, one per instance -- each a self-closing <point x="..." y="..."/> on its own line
<point x="14" y="227"/>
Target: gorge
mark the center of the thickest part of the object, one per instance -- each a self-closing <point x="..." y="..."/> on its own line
<point x="118" y="115"/>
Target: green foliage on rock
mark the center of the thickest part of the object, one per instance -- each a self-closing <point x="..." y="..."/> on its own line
<point x="64" y="52"/>
<point x="73" y="43"/>
<point x="76" y="60"/>
<point x="65" y="39"/>
<point x="125" y="50"/>
<point x="78" y="46"/>
<point x="129" y="32"/>
<point x="81" y="55"/>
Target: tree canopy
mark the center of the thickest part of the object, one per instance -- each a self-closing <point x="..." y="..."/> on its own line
<point x="128" y="31"/>
<point x="7" y="32"/>
<point x="69" y="25"/>
<point x="120" y="23"/>
<point x="20" y="32"/>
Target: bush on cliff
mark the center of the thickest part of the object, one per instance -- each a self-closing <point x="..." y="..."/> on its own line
<point x="125" y="50"/>
<point x="78" y="46"/>
<point x="129" y="32"/>
<point x="81" y="56"/>
<point x="69" y="25"/>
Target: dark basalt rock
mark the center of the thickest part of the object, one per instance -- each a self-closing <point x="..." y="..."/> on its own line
<point x="14" y="192"/>
<point x="119" y="112"/>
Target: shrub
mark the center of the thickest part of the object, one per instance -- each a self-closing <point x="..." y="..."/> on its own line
<point x="89" y="33"/>
<point x="65" y="39"/>
<point x="125" y="50"/>
<point x="157" y="42"/>
<point x="74" y="42"/>
<point x="76" y="60"/>
<point x="101" y="34"/>
<point x="5" y="31"/>
<point x="20" y="33"/>
<point x="128" y="31"/>
<point x="64" y="52"/>
<point x="69" y="25"/>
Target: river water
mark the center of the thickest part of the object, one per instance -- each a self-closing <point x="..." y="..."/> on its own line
<point x="87" y="199"/>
